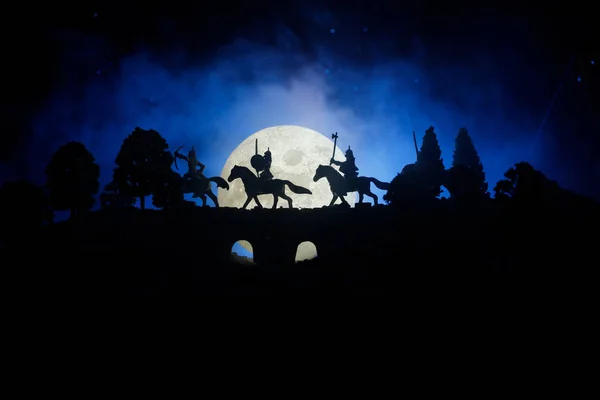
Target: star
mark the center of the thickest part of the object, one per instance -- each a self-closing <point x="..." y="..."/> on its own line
<point x="332" y="30"/>
<point x="578" y="79"/>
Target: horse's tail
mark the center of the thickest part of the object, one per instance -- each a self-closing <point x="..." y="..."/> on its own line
<point x="379" y="184"/>
<point x="297" y="189"/>
<point x="222" y="183"/>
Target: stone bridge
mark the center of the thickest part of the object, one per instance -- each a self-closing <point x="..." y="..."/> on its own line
<point x="276" y="234"/>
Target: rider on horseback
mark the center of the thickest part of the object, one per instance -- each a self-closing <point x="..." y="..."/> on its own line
<point x="192" y="163"/>
<point x="266" y="174"/>
<point x="348" y="167"/>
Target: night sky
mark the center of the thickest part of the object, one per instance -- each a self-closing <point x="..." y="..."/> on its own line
<point x="212" y="74"/>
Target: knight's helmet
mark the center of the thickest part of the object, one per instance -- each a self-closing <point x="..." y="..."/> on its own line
<point x="268" y="158"/>
<point x="349" y="154"/>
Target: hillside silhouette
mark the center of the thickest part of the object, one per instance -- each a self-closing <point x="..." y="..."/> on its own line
<point x="529" y="226"/>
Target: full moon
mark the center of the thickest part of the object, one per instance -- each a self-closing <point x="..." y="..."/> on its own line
<point x="296" y="153"/>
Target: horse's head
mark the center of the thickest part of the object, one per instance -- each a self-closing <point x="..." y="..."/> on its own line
<point x="234" y="174"/>
<point x="320" y="173"/>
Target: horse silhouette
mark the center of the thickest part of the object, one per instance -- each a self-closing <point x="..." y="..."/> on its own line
<point x="256" y="186"/>
<point x="341" y="186"/>
<point x="200" y="187"/>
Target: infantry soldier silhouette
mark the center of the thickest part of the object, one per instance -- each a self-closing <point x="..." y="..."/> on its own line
<point x="348" y="167"/>
<point x="192" y="163"/>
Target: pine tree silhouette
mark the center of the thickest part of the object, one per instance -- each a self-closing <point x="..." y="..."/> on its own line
<point x="466" y="177"/>
<point x="430" y="163"/>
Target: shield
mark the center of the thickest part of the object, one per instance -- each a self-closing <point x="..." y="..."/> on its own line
<point x="258" y="162"/>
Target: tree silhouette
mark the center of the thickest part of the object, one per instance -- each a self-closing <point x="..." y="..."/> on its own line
<point x="24" y="208"/>
<point x="407" y="187"/>
<point x="143" y="164"/>
<point x="169" y="194"/>
<point x="430" y="164"/>
<point x="72" y="178"/>
<point x="526" y="185"/>
<point x="466" y="177"/>
<point x="112" y="198"/>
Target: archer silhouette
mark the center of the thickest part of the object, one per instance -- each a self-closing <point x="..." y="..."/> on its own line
<point x="194" y="180"/>
<point x="342" y="185"/>
<point x="255" y="186"/>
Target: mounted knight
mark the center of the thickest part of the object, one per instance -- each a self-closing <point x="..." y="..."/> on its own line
<point x="194" y="180"/>
<point x="266" y="174"/>
<point x="348" y="168"/>
<point x="263" y="182"/>
<point x="262" y="165"/>
<point x="350" y="181"/>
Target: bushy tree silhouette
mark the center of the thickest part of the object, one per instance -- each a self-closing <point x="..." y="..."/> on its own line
<point x="24" y="207"/>
<point x="466" y="178"/>
<point x="111" y="198"/>
<point x="430" y="164"/>
<point x="526" y="185"/>
<point x="407" y="187"/>
<point x="72" y="178"/>
<point x="169" y="194"/>
<point x="143" y="164"/>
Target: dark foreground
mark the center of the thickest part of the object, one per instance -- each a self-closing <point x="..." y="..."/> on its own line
<point x="373" y="251"/>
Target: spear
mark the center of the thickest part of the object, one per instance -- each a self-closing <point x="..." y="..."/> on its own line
<point x="415" y="141"/>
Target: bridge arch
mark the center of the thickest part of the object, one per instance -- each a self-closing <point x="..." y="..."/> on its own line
<point x="242" y="251"/>
<point x="306" y="250"/>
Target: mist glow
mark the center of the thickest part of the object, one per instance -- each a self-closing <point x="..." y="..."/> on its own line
<point x="250" y="86"/>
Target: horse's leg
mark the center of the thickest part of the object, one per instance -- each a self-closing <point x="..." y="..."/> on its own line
<point x="361" y="196"/>
<point x="212" y="196"/>
<point x="275" y="198"/>
<point x="335" y="197"/>
<point x="344" y="202"/>
<point x="373" y="196"/>
<point x="203" y="198"/>
<point x="257" y="202"/>
<point x="246" y="202"/>
<point x="288" y="198"/>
